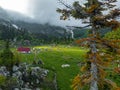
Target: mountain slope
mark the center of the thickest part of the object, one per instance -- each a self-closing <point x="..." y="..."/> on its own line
<point x="42" y="32"/>
<point x="30" y="25"/>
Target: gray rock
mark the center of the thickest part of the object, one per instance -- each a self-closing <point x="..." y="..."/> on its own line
<point x="15" y="68"/>
<point x="26" y="76"/>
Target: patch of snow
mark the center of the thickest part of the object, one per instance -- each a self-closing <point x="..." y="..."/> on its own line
<point x="15" y="26"/>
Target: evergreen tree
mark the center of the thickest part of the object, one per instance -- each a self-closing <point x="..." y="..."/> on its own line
<point x="6" y="57"/>
<point x="101" y="51"/>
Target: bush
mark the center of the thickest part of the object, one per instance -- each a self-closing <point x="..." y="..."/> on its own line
<point x="7" y="83"/>
<point x="11" y="83"/>
<point x="7" y="58"/>
<point x="16" y="59"/>
<point x="2" y="81"/>
<point x="113" y="35"/>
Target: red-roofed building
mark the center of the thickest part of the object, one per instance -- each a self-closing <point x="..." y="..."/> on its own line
<point x="24" y="50"/>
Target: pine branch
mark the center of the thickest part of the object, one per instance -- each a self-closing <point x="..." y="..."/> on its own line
<point x="78" y="27"/>
<point x="67" y="6"/>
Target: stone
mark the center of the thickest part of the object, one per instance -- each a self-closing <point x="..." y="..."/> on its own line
<point x="65" y="65"/>
<point x="15" y="68"/>
<point x="26" y="76"/>
<point x="37" y="88"/>
<point x="16" y="89"/>
<point x="18" y="73"/>
<point x="3" y="71"/>
<point x="26" y="89"/>
<point x="37" y="81"/>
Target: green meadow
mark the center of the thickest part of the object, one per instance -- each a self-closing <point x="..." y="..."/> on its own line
<point x="55" y="56"/>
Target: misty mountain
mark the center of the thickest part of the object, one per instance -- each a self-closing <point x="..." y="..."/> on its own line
<point x="46" y="29"/>
<point x="29" y="24"/>
<point x="44" y="32"/>
<point x="4" y="15"/>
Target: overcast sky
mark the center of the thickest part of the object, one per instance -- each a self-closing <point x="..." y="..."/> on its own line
<point x="44" y="11"/>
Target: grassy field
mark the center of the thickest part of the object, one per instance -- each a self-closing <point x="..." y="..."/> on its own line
<point x="53" y="57"/>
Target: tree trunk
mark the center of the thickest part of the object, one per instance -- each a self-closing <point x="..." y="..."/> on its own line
<point x="93" y="85"/>
<point x="94" y="70"/>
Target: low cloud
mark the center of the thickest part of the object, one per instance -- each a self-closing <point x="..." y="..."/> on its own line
<point x="44" y="11"/>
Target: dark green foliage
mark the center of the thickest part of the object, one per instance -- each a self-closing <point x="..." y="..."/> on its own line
<point x="10" y="83"/>
<point x="6" y="57"/>
<point x="10" y="33"/>
<point x="37" y="34"/>
<point x="16" y="59"/>
<point x="113" y="35"/>
<point x="6" y="32"/>
<point x="2" y="81"/>
<point x="1" y="44"/>
<point x="104" y="31"/>
<point x="43" y="30"/>
<point x="80" y="33"/>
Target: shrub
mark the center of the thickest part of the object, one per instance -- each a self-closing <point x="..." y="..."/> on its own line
<point x="7" y="58"/>
<point x="2" y="81"/>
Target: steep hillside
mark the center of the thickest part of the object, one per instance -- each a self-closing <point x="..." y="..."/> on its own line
<point x="29" y="24"/>
<point x="24" y="27"/>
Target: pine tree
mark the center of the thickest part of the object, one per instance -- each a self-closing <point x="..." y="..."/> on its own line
<point x="101" y="51"/>
<point x="6" y="57"/>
